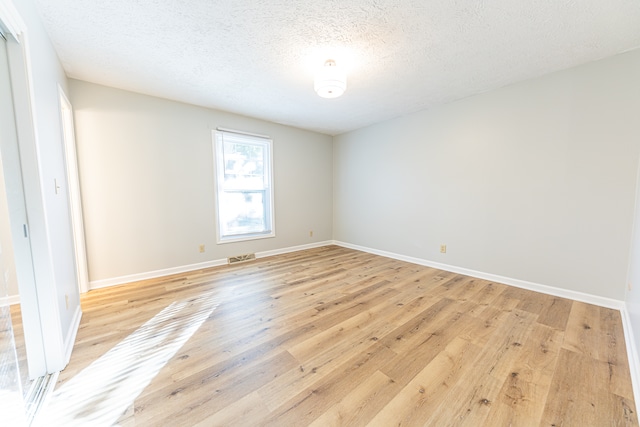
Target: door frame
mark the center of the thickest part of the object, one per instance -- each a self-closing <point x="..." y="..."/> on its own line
<point x="73" y="185"/>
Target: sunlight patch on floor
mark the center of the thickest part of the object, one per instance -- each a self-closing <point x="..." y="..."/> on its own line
<point x="100" y="393"/>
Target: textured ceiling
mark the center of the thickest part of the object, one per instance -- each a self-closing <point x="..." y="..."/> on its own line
<point x="257" y="57"/>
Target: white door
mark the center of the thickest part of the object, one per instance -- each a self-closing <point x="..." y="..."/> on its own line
<point x="19" y="225"/>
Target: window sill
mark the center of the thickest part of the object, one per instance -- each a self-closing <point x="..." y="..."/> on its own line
<point x="245" y="237"/>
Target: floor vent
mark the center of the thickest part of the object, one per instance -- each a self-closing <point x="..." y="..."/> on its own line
<point x="241" y="258"/>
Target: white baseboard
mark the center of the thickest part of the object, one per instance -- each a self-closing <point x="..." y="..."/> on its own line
<point x="545" y="289"/>
<point x="104" y="283"/>
<point x="71" y="335"/>
<point x="632" y="354"/>
<point x="9" y="300"/>
<point x="264" y="254"/>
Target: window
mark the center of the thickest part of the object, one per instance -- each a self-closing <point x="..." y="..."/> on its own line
<point x="244" y="186"/>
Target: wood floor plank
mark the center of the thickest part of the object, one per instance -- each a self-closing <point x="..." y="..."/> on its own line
<point x="312" y="402"/>
<point x="209" y="393"/>
<point x="582" y="333"/>
<point x="574" y="398"/>
<point x="336" y="337"/>
<point x="325" y="353"/>
<point x="429" y="389"/>
<point x="481" y="387"/>
<point x="415" y="353"/>
<point x="597" y="332"/>
<point x="613" y="351"/>
<point x="552" y="311"/>
<point x="360" y="405"/>
<point x="248" y="411"/>
<point x="523" y="395"/>
<point x="485" y="325"/>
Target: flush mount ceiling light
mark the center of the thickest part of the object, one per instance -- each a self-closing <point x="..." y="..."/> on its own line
<point x="331" y="81"/>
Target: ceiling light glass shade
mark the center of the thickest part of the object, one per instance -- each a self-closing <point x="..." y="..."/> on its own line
<point x="331" y="81"/>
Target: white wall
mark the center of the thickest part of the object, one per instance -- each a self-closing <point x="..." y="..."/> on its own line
<point x="632" y="297"/>
<point x="146" y="174"/>
<point x="534" y="181"/>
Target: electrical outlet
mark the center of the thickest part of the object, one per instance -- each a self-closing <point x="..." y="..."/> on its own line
<point x="66" y="300"/>
<point x="201" y="248"/>
<point x="310" y="233"/>
<point x="443" y="249"/>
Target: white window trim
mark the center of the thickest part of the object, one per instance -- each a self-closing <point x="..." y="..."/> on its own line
<point x="217" y="148"/>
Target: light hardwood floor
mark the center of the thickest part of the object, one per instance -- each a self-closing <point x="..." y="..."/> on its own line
<point x="332" y="336"/>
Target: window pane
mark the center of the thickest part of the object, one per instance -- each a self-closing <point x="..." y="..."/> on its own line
<point x="247" y="153"/>
<point x="244" y="187"/>
<point x="242" y="212"/>
<point x="243" y="166"/>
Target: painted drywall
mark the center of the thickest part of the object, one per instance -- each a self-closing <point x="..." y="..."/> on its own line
<point x="147" y="183"/>
<point x="534" y="181"/>
<point x="632" y="296"/>
<point x="49" y="216"/>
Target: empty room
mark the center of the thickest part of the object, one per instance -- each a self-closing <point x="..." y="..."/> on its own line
<point x="334" y="213"/>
